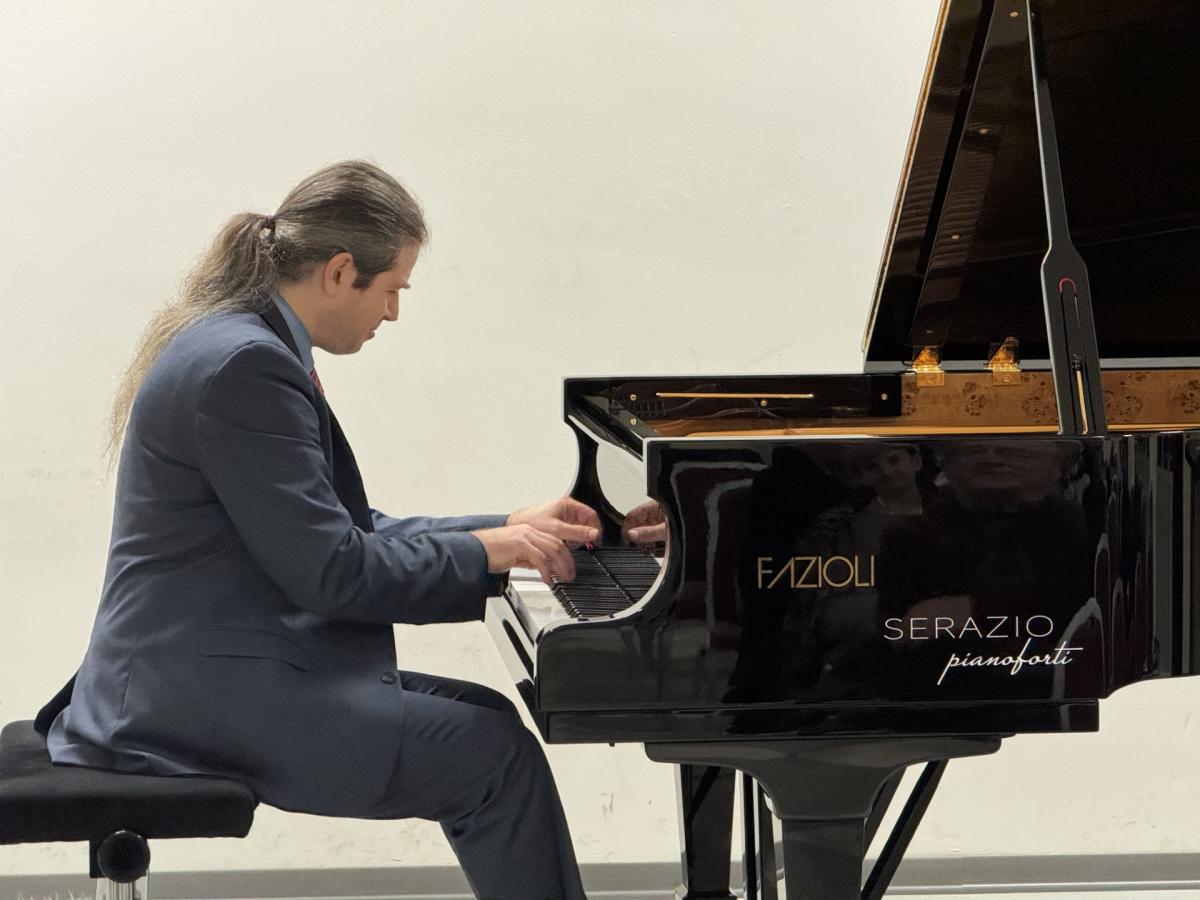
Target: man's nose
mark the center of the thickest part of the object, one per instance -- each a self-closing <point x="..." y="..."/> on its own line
<point x="393" y="309"/>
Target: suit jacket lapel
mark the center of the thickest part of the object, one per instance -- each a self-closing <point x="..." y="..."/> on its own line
<point x="346" y="478"/>
<point x="276" y="322"/>
<point x="347" y="481"/>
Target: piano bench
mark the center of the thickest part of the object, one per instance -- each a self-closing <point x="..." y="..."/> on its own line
<point x="116" y="813"/>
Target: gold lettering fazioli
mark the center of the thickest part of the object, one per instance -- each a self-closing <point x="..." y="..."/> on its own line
<point x="809" y="572"/>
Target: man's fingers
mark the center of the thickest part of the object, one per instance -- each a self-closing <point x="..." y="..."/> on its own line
<point x="535" y="558"/>
<point x="648" y="534"/>
<point x="580" y="513"/>
<point x="644" y="524"/>
<point x="555" y="561"/>
<point x="560" y="558"/>
<point x="575" y="534"/>
<point x="650" y="511"/>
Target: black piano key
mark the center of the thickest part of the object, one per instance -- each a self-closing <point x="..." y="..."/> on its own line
<point x="607" y="580"/>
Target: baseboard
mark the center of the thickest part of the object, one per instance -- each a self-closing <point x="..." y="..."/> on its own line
<point x="957" y="877"/>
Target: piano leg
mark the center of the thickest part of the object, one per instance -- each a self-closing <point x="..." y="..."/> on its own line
<point x="705" y="830"/>
<point x="826" y="792"/>
<point x="897" y="842"/>
<point x="759" y="842"/>
<point x="882" y="802"/>
<point x="823" y="860"/>
<point x="766" y="872"/>
<point x="749" y="837"/>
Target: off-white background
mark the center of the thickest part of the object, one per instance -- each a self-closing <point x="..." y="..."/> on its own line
<point x="671" y="187"/>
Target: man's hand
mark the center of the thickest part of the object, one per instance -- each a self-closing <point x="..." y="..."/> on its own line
<point x="645" y="524"/>
<point x="537" y="537"/>
<point x="565" y="518"/>
<point x="524" y="546"/>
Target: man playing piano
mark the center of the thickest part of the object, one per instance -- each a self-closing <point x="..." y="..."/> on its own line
<point x="245" y="625"/>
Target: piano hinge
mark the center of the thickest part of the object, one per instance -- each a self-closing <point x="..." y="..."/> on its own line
<point x="1005" y="362"/>
<point x="928" y="367"/>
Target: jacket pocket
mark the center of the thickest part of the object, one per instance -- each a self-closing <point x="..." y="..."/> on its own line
<point x="255" y="645"/>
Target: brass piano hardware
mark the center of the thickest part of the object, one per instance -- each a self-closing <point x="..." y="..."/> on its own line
<point x="1014" y="15"/>
<point x="633" y="398"/>
<point x="928" y="367"/>
<point x="672" y="395"/>
<point x="633" y="420"/>
<point x="877" y="430"/>
<point x="883" y="396"/>
<point x="1082" y="404"/>
<point x="955" y="237"/>
<point x="1005" y="363"/>
<point x="762" y="403"/>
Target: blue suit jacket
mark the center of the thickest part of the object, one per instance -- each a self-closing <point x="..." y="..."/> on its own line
<point x="245" y="623"/>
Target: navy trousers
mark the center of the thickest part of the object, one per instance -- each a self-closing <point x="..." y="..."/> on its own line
<point x="468" y="762"/>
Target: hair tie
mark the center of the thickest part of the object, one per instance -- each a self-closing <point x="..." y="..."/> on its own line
<point x="269" y="223"/>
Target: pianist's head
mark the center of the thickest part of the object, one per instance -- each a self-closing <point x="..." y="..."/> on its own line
<point x="1005" y="473"/>
<point x="339" y="249"/>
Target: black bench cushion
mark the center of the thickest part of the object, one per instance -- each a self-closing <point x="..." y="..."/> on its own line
<point x="42" y="802"/>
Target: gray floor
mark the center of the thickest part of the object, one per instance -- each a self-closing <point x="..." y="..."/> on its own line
<point x="1032" y="894"/>
<point x="1060" y="895"/>
<point x="982" y="893"/>
<point x="1146" y="877"/>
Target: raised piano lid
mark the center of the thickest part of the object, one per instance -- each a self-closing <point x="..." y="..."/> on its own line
<point x="960" y="270"/>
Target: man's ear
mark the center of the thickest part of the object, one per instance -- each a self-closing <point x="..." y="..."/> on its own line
<point x="340" y="272"/>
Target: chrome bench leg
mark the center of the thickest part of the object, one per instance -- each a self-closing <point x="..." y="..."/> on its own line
<point x="112" y="890"/>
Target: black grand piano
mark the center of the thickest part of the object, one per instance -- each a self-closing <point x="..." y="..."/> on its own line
<point x="985" y="533"/>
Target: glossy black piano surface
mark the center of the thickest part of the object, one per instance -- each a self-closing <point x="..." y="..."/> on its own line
<point x="929" y="549"/>
<point x="849" y="586"/>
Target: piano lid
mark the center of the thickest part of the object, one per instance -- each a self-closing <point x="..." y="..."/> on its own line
<point x="961" y="270"/>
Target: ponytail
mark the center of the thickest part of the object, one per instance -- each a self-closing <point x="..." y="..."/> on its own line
<point x="351" y="206"/>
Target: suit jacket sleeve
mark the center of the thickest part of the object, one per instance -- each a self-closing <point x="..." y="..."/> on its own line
<point x="259" y="446"/>
<point x="414" y="525"/>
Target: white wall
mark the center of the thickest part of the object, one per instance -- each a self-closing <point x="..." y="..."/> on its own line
<point x="669" y="187"/>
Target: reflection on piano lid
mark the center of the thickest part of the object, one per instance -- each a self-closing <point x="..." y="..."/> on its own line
<point x="916" y="561"/>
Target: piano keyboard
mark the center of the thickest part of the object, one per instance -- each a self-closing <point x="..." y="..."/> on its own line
<point x="607" y="580"/>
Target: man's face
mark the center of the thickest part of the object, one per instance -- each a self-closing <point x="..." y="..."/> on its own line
<point x="893" y="470"/>
<point x="362" y="310"/>
<point x="983" y="473"/>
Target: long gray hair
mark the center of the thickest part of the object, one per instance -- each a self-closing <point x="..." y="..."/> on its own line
<point x="351" y="206"/>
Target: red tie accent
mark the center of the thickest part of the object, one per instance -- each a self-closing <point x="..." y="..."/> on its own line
<point x="317" y="381"/>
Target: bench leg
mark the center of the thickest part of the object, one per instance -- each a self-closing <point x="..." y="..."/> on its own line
<point x="111" y="890"/>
